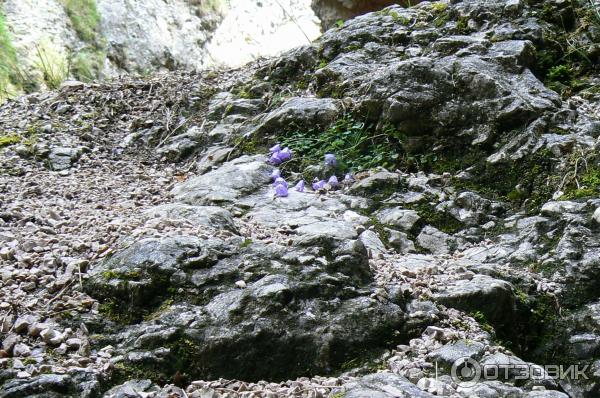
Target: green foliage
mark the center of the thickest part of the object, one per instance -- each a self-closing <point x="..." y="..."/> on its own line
<point x="535" y="176"/>
<point x="395" y="16"/>
<point x="462" y="25"/>
<point x="560" y="73"/>
<point x="357" y="145"/>
<point x="110" y="309"/>
<point x="483" y="322"/>
<point x="247" y="242"/>
<point x="559" y="78"/>
<point x="85" y="18"/>
<point x="569" y="54"/>
<point x="126" y="276"/>
<point x="12" y="78"/>
<point x="594" y="8"/>
<point x="87" y="64"/>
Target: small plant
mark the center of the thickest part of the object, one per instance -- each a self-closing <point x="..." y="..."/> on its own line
<point x="358" y="145"/>
<point x="53" y="66"/>
<point x="483" y="322"/>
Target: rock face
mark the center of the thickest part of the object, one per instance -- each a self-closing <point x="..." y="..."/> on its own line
<point x="157" y="35"/>
<point x="57" y="40"/>
<point x="215" y="308"/>
<point x="332" y="11"/>
<point x="462" y="221"/>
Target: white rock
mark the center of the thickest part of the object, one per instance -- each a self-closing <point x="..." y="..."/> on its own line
<point x="21" y="350"/>
<point x="51" y="336"/>
<point x="241" y="284"/>
<point x="596" y="216"/>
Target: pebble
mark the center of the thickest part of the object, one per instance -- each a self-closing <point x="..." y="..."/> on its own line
<point x="51" y="337"/>
<point x="241" y="284"/>
<point x="21" y="350"/>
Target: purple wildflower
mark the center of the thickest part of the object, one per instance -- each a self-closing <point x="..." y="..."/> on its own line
<point x="281" y="190"/>
<point x="330" y="160"/>
<point x="300" y="186"/>
<point x="333" y="182"/>
<point x="280" y="181"/>
<point x="319" y="185"/>
<point x="275" y="159"/>
<point x="275" y="149"/>
<point x="348" y="178"/>
<point x="285" y="154"/>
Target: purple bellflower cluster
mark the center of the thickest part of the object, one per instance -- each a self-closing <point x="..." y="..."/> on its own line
<point x="279" y="155"/>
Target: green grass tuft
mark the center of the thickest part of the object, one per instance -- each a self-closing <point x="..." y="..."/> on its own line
<point x="53" y="65"/>
<point x="85" y="18"/>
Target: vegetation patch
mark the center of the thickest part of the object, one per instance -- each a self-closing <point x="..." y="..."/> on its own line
<point x="53" y="65"/>
<point x="12" y="78"/>
<point x="356" y="144"/>
<point x="570" y="51"/>
<point x="439" y="219"/>
<point x="584" y="179"/>
<point x="84" y="17"/>
<point x="86" y="65"/>
<point x="10" y="139"/>
<point x="528" y="182"/>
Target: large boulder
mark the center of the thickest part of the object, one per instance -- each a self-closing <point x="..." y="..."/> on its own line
<point x="214" y="308"/>
<point x="224" y="185"/>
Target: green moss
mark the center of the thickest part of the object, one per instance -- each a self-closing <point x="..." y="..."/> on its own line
<point x="126" y="276"/>
<point x="482" y="321"/>
<point x="10" y="139"/>
<point x="585" y="186"/>
<point x="87" y="63"/>
<point x="247" y="242"/>
<point x="462" y="25"/>
<point x="110" y="309"/>
<point x="396" y="17"/>
<point x="535" y="176"/>
<point x="322" y="63"/>
<point x="439" y="10"/>
<point x="165" y="306"/>
<point x="84" y="17"/>
<point x="438" y="219"/>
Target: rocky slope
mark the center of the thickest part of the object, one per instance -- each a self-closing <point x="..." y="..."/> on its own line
<point x="145" y="253"/>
